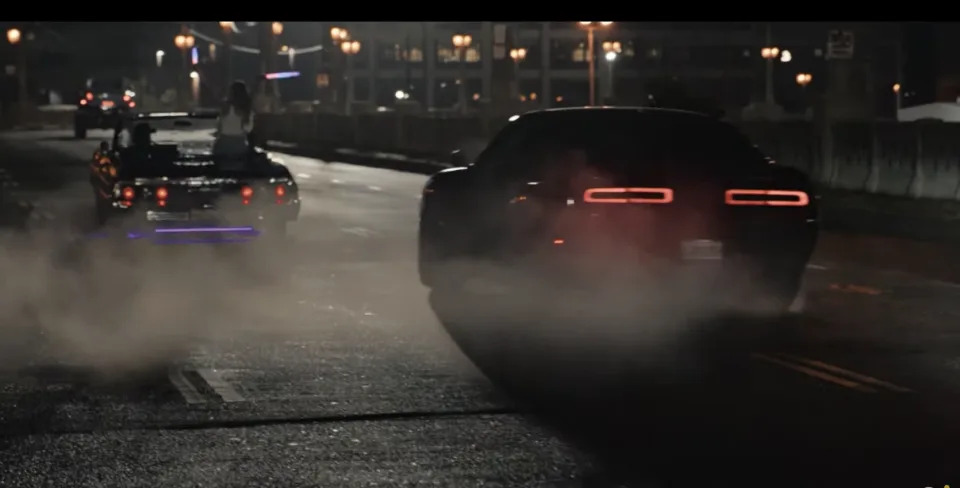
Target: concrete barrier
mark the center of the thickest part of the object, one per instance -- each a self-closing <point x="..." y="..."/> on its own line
<point x="916" y="160"/>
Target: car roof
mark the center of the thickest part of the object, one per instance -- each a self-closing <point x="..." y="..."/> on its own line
<point x="652" y="111"/>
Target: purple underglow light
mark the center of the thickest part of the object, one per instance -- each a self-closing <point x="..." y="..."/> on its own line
<point x="200" y="241"/>
<point x="187" y="230"/>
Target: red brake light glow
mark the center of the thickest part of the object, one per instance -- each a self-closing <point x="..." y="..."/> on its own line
<point x="771" y="198"/>
<point x="281" y="191"/>
<point x="128" y="193"/>
<point x="83" y="101"/>
<point x="89" y="96"/>
<point x="246" y="192"/>
<point x="628" y="195"/>
<point x="162" y="193"/>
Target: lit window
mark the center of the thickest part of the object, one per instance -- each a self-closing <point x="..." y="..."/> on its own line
<point x="580" y="54"/>
<point x="415" y="55"/>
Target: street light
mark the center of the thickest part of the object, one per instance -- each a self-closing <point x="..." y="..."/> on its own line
<point x="13" y="36"/>
<point x="804" y="79"/>
<point x="339" y="34"/>
<point x="350" y="48"/>
<point x="611" y="49"/>
<point x="517" y="55"/>
<point x="184" y="43"/>
<point x="227" y="28"/>
<point x="769" y="54"/>
<point x="591" y="74"/>
<point x="276" y="28"/>
<point x="461" y="42"/>
<point x="896" y="93"/>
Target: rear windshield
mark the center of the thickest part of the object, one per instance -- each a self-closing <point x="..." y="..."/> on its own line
<point x="106" y="85"/>
<point x="627" y="140"/>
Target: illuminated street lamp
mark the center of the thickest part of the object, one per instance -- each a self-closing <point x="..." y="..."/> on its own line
<point x="339" y="34"/>
<point x="160" y="55"/>
<point x="276" y="28"/>
<point x="611" y="49"/>
<point x="461" y="42"/>
<point x="13" y="36"/>
<point x="897" y="94"/>
<point x="769" y="54"/>
<point x="591" y="66"/>
<point x="517" y="55"/>
<point x="227" y="28"/>
<point x="350" y="49"/>
<point x="184" y="43"/>
<point x="804" y="79"/>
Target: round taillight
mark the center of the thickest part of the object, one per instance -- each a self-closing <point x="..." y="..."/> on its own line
<point x="128" y="193"/>
<point x="246" y="192"/>
<point x="281" y="191"/>
<point x="89" y="96"/>
<point x="162" y="193"/>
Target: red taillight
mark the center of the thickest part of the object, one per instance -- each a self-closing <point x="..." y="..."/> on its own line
<point x="628" y="195"/>
<point x="132" y="104"/>
<point x="83" y="101"/>
<point x="246" y="192"/>
<point x="126" y="98"/>
<point x="162" y="193"/>
<point x="128" y="193"/>
<point x="89" y="96"/>
<point x="771" y="198"/>
<point x="280" y="191"/>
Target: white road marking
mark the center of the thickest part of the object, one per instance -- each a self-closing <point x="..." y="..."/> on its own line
<point x="375" y="188"/>
<point x="335" y="181"/>
<point x="817" y="267"/>
<point x="358" y="231"/>
<point x="303" y="175"/>
<point x="220" y="386"/>
<point x="186" y="389"/>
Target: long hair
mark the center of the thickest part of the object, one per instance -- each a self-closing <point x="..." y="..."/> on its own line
<point x="239" y="99"/>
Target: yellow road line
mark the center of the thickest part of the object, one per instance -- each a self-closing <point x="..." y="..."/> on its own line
<point x="853" y="385"/>
<point x="870" y="380"/>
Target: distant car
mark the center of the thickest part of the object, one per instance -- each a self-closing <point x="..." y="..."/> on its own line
<point x="172" y="188"/>
<point x="672" y="187"/>
<point x="101" y="104"/>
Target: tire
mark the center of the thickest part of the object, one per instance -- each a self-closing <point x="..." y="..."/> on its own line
<point x="783" y="287"/>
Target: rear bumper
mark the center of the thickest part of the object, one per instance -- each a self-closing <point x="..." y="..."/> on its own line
<point x="165" y="226"/>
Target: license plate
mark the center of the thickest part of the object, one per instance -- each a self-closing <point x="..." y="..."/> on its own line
<point x="107" y="104"/>
<point x="153" y="216"/>
<point x="701" y="250"/>
<point x="204" y="215"/>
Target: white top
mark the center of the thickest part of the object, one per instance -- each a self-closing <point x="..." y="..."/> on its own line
<point x="232" y="124"/>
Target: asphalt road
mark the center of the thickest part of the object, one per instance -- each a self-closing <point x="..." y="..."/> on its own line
<point x="323" y="364"/>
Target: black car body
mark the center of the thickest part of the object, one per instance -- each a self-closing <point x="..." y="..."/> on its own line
<point x="176" y="190"/>
<point x="101" y="105"/>
<point x="670" y="186"/>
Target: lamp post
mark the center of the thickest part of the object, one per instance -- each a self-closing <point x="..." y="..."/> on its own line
<point x="611" y="50"/>
<point x="769" y="54"/>
<point x="461" y="42"/>
<point x="15" y="38"/>
<point x="227" y="28"/>
<point x="338" y="35"/>
<point x="899" y="100"/>
<point x="517" y="55"/>
<point x="349" y="48"/>
<point x="591" y="63"/>
<point x="184" y="43"/>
